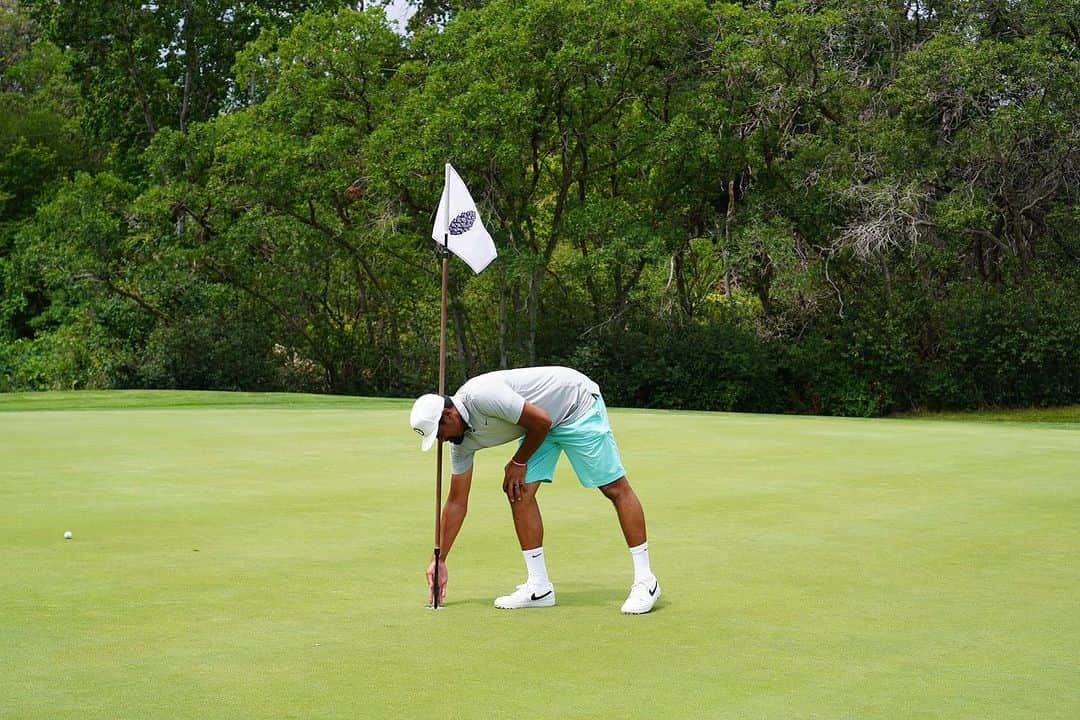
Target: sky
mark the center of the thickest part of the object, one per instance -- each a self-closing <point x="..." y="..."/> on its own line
<point x="399" y="11"/>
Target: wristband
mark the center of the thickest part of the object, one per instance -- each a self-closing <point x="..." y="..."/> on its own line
<point x="515" y="462"/>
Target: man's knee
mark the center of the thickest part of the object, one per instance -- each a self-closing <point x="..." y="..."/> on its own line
<point x="528" y="493"/>
<point x="617" y="489"/>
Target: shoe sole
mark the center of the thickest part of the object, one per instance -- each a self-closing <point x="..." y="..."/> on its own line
<point x="646" y="610"/>
<point x="525" y="607"/>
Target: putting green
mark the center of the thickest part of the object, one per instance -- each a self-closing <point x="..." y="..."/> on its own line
<point x="262" y="556"/>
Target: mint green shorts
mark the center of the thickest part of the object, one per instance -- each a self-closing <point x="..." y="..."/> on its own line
<point x="588" y="443"/>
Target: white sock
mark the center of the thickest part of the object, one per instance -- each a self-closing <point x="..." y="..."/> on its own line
<point x="640" y="556"/>
<point x="534" y="562"/>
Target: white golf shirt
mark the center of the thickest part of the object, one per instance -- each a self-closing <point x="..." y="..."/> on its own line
<point x="491" y="405"/>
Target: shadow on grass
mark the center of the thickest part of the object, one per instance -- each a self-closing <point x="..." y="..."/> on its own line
<point x="580" y="598"/>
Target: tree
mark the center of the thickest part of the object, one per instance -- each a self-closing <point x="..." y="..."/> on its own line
<point x="271" y="200"/>
<point x="552" y="107"/>
<point x="40" y="145"/>
<point x="144" y="67"/>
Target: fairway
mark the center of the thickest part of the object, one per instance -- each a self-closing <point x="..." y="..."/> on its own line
<point x="262" y="556"/>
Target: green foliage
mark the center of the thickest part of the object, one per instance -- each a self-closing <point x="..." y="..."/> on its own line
<point x="143" y="67"/>
<point x="864" y="365"/>
<point x="272" y="203"/>
<point x="1010" y="347"/>
<point x="229" y="351"/>
<point x="40" y="140"/>
<point x="717" y="365"/>
<point x="76" y="354"/>
<point x="847" y="208"/>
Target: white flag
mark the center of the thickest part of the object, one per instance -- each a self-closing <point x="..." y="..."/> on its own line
<point x="467" y="237"/>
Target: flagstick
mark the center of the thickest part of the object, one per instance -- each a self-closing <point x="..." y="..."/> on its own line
<point x="442" y="389"/>
<point x="439" y="453"/>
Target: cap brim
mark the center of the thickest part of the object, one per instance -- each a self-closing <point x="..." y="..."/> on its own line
<point x="428" y="441"/>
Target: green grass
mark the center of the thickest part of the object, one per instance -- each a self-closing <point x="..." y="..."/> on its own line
<point x="262" y="556"/>
<point x="158" y="399"/>
<point x="1056" y="415"/>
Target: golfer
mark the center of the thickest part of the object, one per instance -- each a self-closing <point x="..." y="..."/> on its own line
<point x="549" y="410"/>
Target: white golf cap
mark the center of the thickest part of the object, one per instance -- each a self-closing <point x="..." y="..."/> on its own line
<point x="424" y="418"/>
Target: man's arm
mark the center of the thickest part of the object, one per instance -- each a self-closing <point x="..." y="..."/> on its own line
<point x="453" y="515"/>
<point x="536" y="422"/>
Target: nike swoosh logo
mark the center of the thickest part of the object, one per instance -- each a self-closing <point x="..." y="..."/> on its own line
<point x="537" y="555"/>
<point x="654" y="587"/>
<point x="541" y="597"/>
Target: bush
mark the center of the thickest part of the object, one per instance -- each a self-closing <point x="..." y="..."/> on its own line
<point x="195" y="354"/>
<point x="1008" y="347"/>
<point x="864" y="364"/>
<point x="715" y="365"/>
<point x="73" y="356"/>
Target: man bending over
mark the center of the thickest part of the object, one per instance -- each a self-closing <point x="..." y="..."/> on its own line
<point x="549" y="410"/>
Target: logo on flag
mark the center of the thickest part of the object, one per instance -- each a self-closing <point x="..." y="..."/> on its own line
<point x="462" y="223"/>
<point x="458" y="223"/>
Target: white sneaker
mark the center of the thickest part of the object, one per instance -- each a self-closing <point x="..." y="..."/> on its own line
<point x="643" y="595"/>
<point x="528" y="596"/>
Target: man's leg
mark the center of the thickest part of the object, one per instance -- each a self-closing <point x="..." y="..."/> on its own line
<point x="645" y="590"/>
<point x="537" y="590"/>
<point x="527" y="520"/>
<point x="590" y="445"/>
<point x="628" y="508"/>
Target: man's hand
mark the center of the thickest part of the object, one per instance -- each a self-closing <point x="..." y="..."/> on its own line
<point x="431" y="580"/>
<point x="536" y="423"/>
<point x="514" y="481"/>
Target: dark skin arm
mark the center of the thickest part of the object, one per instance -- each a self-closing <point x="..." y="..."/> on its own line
<point x="453" y="515"/>
<point x="536" y="423"/>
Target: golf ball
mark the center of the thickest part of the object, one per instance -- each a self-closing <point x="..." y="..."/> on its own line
<point x="67" y="535"/>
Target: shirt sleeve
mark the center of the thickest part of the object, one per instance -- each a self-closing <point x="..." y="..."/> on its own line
<point x="497" y="400"/>
<point x="460" y="459"/>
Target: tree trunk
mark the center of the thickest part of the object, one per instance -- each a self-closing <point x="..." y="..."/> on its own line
<point x="534" y="314"/>
<point x="501" y="322"/>
<point x="461" y="347"/>
<point x="727" y="237"/>
<point x="190" y="60"/>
